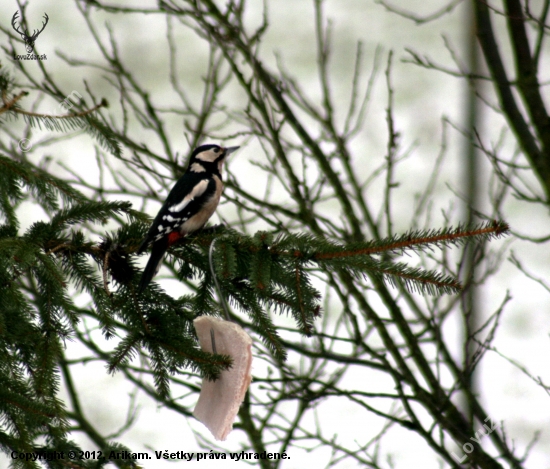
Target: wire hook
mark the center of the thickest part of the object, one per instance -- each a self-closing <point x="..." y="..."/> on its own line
<point x="218" y="289"/>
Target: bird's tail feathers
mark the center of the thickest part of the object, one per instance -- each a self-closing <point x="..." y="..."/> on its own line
<point x="153" y="265"/>
<point x="144" y="245"/>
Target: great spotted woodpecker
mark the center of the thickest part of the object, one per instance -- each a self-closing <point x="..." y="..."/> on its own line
<point x="190" y="204"/>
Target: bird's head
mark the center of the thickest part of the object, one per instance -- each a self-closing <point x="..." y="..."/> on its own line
<point x="209" y="158"/>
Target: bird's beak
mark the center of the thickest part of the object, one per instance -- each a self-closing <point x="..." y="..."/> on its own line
<point x="230" y="150"/>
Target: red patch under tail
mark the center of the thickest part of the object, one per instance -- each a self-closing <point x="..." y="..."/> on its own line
<point x="173" y="237"/>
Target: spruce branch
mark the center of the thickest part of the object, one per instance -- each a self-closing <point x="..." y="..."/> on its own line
<point x="415" y="279"/>
<point x="90" y="212"/>
<point x="11" y="104"/>
<point x="255" y="272"/>
<point x="81" y="120"/>
<point x="426" y="239"/>
<point x="54" y="118"/>
<point x="14" y="175"/>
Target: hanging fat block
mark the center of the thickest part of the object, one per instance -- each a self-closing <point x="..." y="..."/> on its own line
<point x="220" y="400"/>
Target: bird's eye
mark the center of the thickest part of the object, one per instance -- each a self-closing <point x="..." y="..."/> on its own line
<point x="217" y="150"/>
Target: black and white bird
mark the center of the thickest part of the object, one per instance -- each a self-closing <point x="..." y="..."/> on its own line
<point x="190" y="204"/>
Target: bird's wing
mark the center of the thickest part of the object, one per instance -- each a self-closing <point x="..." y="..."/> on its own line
<point x="189" y="193"/>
